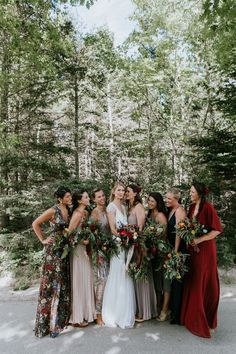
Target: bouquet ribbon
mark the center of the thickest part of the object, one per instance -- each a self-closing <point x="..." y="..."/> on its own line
<point x="129" y="257"/>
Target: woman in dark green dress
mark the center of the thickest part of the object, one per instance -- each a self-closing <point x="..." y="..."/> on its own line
<point x="53" y="310"/>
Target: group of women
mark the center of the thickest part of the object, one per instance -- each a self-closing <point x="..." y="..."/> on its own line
<point x="74" y="292"/>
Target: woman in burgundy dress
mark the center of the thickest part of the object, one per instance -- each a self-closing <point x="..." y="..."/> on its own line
<point x="201" y="288"/>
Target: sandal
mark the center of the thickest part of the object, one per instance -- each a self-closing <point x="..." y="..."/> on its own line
<point x="164" y="316"/>
<point x="138" y="319"/>
<point x="80" y="325"/>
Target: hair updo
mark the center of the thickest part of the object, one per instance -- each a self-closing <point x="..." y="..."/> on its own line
<point x="136" y="189"/>
<point x="76" y="197"/>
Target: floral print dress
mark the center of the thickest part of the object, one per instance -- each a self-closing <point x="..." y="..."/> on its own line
<point x="53" y="311"/>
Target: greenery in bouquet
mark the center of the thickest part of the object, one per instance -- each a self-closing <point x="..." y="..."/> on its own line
<point x="175" y="266"/>
<point x="66" y="242"/>
<point x="103" y="248"/>
<point x="141" y="271"/>
<point x="188" y="229"/>
<point x="154" y="239"/>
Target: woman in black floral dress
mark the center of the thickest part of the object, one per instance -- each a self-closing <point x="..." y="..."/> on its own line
<point x="53" y="311"/>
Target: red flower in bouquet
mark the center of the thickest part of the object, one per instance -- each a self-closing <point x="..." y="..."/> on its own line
<point x="129" y="235"/>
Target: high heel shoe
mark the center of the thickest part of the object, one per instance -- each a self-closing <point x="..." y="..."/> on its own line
<point x="164" y="316"/>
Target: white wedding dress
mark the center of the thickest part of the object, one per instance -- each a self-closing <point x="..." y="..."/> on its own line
<point x="119" y="304"/>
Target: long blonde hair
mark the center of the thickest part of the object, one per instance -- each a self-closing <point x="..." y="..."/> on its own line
<point x="112" y="195"/>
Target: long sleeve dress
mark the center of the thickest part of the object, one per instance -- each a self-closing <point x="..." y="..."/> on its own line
<point x="201" y="288"/>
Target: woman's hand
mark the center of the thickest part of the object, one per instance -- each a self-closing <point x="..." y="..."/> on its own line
<point x="48" y="241"/>
<point x="195" y="242"/>
<point x="85" y="242"/>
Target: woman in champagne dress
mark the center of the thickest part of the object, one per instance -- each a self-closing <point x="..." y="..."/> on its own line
<point x="145" y="291"/>
<point x="83" y="302"/>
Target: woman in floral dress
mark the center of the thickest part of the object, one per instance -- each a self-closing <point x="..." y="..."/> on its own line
<point x="53" y="310"/>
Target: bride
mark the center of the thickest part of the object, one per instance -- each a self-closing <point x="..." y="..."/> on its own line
<point x="119" y="304"/>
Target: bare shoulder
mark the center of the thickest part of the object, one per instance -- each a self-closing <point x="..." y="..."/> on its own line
<point x="161" y="218"/>
<point x="46" y="216"/>
<point x="139" y="206"/>
<point x="180" y="212"/>
<point x="94" y="214"/>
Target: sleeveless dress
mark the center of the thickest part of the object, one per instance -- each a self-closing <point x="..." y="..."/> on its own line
<point x="201" y="287"/>
<point x="144" y="289"/>
<point x="176" y="285"/>
<point x="83" y="301"/>
<point x="119" y="305"/>
<point x="53" y="310"/>
<point x="100" y="272"/>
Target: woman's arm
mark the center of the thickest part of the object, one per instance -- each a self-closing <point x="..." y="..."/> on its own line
<point x="75" y="220"/>
<point x="210" y="236"/>
<point x="140" y="215"/>
<point x="94" y="215"/>
<point x="180" y="214"/>
<point x="162" y="220"/>
<point x="112" y="222"/>
<point x="46" y="216"/>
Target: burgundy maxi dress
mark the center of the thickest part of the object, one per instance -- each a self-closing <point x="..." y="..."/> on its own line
<point x="201" y="287"/>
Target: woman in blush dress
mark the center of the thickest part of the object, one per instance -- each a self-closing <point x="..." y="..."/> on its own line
<point x="145" y="291"/>
<point x="83" y="303"/>
<point x="201" y="287"/>
<point x="119" y="304"/>
<point x="53" y="310"/>
<point x="100" y="272"/>
<point x="158" y="214"/>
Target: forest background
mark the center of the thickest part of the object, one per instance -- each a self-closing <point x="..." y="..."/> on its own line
<point x="159" y="110"/>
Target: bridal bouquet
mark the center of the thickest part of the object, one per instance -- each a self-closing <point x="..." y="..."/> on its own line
<point x="175" y="265"/>
<point x="129" y="235"/>
<point x="189" y="229"/>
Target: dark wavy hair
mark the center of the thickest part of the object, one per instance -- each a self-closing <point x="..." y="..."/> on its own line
<point x="202" y="191"/>
<point x="160" y="203"/>
<point x="61" y="192"/>
<point x="136" y="189"/>
<point x="76" y="196"/>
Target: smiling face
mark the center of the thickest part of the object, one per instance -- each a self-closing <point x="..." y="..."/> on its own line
<point x="119" y="192"/>
<point x="152" y="204"/>
<point x="100" y="198"/>
<point x="130" y="194"/>
<point x="66" y="200"/>
<point x="194" y="195"/>
<point x="170" y="200"/>
<point x="85" y="199"/>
